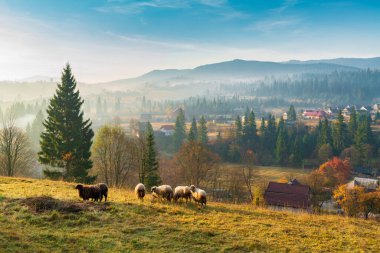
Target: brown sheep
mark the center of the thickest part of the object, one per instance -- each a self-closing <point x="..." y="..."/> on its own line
<point x="104" y="191"/>
<point x="162" y="191"/>
<point x="182" y="192"/>
<point x="198" y="195"/>
<point x="89" y="192"/>
<point x="140" y="191"/>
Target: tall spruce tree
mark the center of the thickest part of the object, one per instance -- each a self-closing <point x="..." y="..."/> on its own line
<point x="297" y="155"/>
<point x="352" y="125"/>
<point x="202" y="131"/>
<point x="193" y="133"/>
<point x="250" y="131"/>
<point x="292" y="115"/>
<point x="179" y="130"/>
<point x="281" y="150"/>
<point x="339" y="134"/>
<point x="270" y="133"/>
<point x="67" y="138"/>
<point x="262" y="128"/>
<point x="325" y="133"/>
<point x="150" y="163"/>
<point x="239" y="130"/>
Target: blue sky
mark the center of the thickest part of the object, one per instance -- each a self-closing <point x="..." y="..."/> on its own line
<point x="113" y="39"/>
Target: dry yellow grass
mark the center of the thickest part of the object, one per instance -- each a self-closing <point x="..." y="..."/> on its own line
<point x="130" y="226"/>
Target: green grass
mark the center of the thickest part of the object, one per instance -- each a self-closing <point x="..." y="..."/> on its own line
<point x="130" y="226"/>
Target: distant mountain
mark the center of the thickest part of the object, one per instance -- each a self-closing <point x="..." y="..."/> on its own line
<point x="254" y="69"/>
<point x="227" y="71"/>
<point x="363" y="63"/>
<point x="34" y="79"/>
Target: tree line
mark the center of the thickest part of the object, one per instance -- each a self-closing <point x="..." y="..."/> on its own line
<point x="353" y="87"/>
<point x="289" y="142"/>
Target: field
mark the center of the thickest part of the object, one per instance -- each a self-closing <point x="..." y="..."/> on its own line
<point x="270" y="173"/>
<point x="126" y="225"/>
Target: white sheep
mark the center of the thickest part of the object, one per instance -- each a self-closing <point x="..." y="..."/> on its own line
<point x="162" y="191"/>
<point x="198" y="195"/>
<point x="140" y="191"/>
<point x="182" y="192"/>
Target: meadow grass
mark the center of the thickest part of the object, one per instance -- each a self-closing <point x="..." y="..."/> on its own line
<point x="269" y="173"/>
<point x="128" y="225"/>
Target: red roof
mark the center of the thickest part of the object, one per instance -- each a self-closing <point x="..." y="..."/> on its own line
<point x="167" y="127"/>
<point x="312" y="113"/>
<point x="287" y="194"/>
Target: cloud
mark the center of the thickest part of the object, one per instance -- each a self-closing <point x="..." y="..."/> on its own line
<point x="285" y="5"/>
<point x="274" y="24"/>
<point x="139" y="40"/>
<point x="213" y="3"/>
<point x="135" y="7"/>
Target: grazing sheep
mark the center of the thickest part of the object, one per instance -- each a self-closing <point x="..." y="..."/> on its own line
<point x="198" y="195"/>
<point x="163" y="191"/>
<point x="182" y="192"/>
<point x="140" y="191"/>
<point x="89" y="192"/>
<point x="104" y="191"/>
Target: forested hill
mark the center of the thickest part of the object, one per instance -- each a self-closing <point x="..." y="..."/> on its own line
<point x="363" y="63"/>
<point x="358" y="87"/>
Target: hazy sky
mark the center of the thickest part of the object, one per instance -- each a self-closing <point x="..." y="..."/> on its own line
<point x="114" y="39"/>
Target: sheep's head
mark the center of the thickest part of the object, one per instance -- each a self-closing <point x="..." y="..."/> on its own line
<point x="79" y="187"/>
<point x="192" y="188"/>
<point x="153" y="188"/>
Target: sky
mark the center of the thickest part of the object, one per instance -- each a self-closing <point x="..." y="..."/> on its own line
<point x="106" y="40"/>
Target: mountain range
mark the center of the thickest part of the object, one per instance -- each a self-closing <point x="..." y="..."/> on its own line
<point x="188" y="82"/>
<point x="246" y="70"/>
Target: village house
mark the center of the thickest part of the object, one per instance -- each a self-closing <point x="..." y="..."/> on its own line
<point x="376" y="108"/>
<point x="314" y="114"/>
<point x="368" y="183"/>
<point x="167" y="130"/>
<point x="346" y="112"/>
<point x="291" y="196"/>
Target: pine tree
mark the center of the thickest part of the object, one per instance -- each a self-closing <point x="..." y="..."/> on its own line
<point x="352" y="125"/>
<point x="105" y="107"/>
<point x="179" y="130"/>
<point x="281" y="151"/>
<point x="270" y="134"/>
<point x="325" y="133"/>
<point x="292" y="115"/>
<point x="117" y="105"/>
<point x="67" y="138"/>
<point x="262" y="127"/>
<point x="239" y="130"/>
<point x="250" y="131"/>
<point x="37" y="128"/>
<point x="193" y="133"/>
<point x="297" y="156"/>
<point x="202" y="131"/>
<point x="99" y="109"/>
<point x="150" y="163"/>
<point x="339" y="135"/>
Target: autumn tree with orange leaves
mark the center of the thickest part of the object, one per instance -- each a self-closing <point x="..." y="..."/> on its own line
<point x="357" y="201"/>
<point x="336" y="171"/>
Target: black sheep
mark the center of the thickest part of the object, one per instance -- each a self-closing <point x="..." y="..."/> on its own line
<point x="103" y="191"/>
<point x="89" y="192"/>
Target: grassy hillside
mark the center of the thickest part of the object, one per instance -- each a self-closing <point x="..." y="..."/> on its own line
<point x="125" y="225"/>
